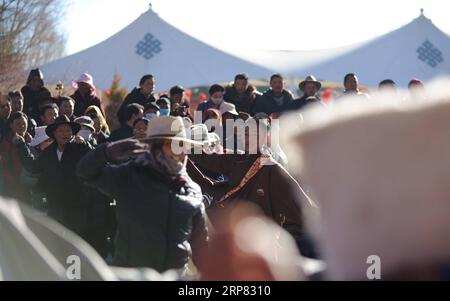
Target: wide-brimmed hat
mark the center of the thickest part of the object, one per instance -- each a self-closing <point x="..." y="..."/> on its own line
<point x="227" y="107"/>
<point x="85" y="121"/>
<point x="39" y="136"/>
<point x="169" y="127"/>
<point x="63" y="119"/>
<point x="309" y="79"/>
<point x="199" y="132"/>
<point x="387" y="195"/>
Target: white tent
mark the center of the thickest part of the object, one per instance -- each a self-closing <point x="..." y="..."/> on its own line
<point x="416" y="50"/>
<point x="152" y="46"/>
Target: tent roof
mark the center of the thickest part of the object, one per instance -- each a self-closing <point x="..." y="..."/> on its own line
<point x="416" y="50"/>
<point x="150" y="45"/>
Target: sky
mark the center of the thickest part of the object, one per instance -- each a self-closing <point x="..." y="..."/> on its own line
<point x="254" y="24"/>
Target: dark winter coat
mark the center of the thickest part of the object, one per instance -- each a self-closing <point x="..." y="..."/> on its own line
<point x="268" y="105"/>
<point x="124" y="132"/>
<point x="66" y="198"/>
<point x="81" y="104"/>
<point x="135" y="96"/>
<point x="31" y="100"/>
<point x="244" y="103"/>
<point x="300" y="103"/>
<point x="159" y="223"/>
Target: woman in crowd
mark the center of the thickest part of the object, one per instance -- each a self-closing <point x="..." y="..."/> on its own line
<point x="102" y="131"/>
<point x="11" y="164"/>
<point x="85" y="95"/>
<point x="140" y="128"/>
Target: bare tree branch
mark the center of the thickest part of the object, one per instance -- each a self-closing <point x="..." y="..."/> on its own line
<point x="28" y="37"/>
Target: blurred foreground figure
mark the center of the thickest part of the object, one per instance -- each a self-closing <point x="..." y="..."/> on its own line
<point x="247" y="246"/>
<point x="380" y="174"/>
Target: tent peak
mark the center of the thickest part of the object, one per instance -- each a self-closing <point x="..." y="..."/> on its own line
<point x="422" y="16"/>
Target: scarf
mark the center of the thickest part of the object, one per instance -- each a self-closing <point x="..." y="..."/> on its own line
<point x="253" y="171"/>
<point x="157" y="160"/>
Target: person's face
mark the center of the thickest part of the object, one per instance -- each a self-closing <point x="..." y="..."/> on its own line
<point x="167" y="150"/>
<point x="241" y="86"/>
<point x="84" y="88"/>
<point x="277" y="85"/>
<point x="136" y="116"/>
<point x="19" y="126"/>
<point x="5" y="111"/>
<point x="310" y="89"/>
<point x="217" y="95"/>
<point x="35" y="83"/>
<point x="66" y="108"/>
<point x="177" y="98"/>
<point x="351" y="84"/>
<point x="49" y="116"/>
<point x="16" y="104"/>
<point x="164" y="105"/>
<point x="151" y="110"/>
<point x="140" y="130"/>
<point x="63" y="134"/>
<point x="97" y="124"/>
<point x="148" y="86"/>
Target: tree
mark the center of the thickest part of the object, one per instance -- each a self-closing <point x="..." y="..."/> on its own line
<point x="115" y="96"/>
<point x="28" y="37"/>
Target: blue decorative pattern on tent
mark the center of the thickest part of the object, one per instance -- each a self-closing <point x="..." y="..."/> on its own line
<point x="429" y="54"/>
<point x="148" y="47"/>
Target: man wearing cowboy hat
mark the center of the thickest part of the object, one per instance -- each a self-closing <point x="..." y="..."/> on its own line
<point x="161" y="218"/>
<point x="310" y="86"/>
<point x="56" y="168"/>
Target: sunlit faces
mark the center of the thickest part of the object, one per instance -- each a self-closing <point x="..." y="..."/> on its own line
<point x="66" y="107"/>
<point x="178" y="156"/>
<point x="178" y="98"/>
<point x="310" y="89"/>
<point x="277" y="85"/>
<point x="148" y="86"/>
<point x="241" y="86"/>
<point x="140" y="129"/>
<point x="5" y="110"/>
<point x="16" y="104"/>
<point x="351" y="83"/>
<point x="84" y="88"/>
<point x="19" y="126"/>
<point x="63" y="134"/>
<point x="49" y="116"/>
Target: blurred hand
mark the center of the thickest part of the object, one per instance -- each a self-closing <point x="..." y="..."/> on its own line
<point x="124" y="149"/>
<point x="28" y="138"/>
<point x="79" y="139"/>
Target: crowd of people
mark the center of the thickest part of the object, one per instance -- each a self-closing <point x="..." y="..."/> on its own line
<point x="129" y="193"/>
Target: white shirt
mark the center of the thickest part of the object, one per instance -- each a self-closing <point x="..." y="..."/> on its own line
<point x="59" y="154"/>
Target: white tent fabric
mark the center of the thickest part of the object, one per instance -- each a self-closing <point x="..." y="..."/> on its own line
<point x="35" y="248"/>
<point x="23" y="257"/>
<point x="416" y="50"/>
<point x="152" y="46"/>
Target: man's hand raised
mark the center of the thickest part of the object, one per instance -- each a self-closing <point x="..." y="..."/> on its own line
<point x="124" y="149"/>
